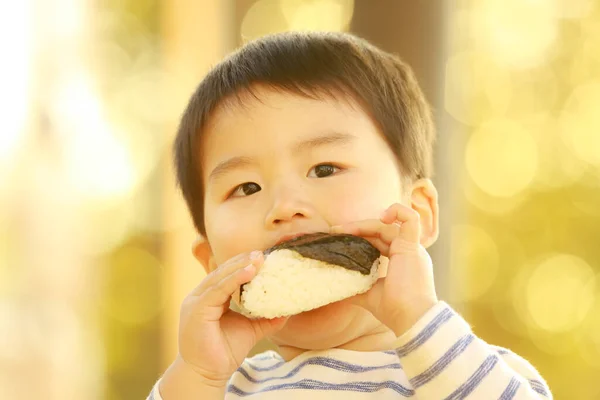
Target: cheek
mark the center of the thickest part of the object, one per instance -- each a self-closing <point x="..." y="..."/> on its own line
<point x="230" y="234"/>
<point x="362" y="197"/>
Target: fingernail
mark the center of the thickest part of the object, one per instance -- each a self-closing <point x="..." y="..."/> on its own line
<point x="255" y="255"/>
<point x="335" y="228"/>
<point x="249" y="268"/>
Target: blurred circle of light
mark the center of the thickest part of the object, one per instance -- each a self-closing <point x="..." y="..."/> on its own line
<point x="580" y="122"/>
<point x="517" y="295"/>
<point x="501" y="158"/>
<point x="492" y="204"/>
<point x="553" y="343"/>
<point x="113" y="223"/>
<point x="538" y="92"/>
<point x="98" y="163"/>
<point x="137" y="96"/>
<point x="475" y="88"/>
<point x="519" y="34"/>
<point x="129" y="293"/>
<point x="262" y="18"/>
<point x="557" y="168"/>
<point x="15" y="42"/>
<point x="317" y="15"/>
<point x="560" y="292"/>
<point x="474" y="263"/>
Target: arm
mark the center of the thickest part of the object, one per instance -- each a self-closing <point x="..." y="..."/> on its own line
<point x="182" y="383"/>
<point x="444" y="359"/>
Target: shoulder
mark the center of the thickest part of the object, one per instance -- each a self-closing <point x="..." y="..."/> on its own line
<point x="524" y="368"/>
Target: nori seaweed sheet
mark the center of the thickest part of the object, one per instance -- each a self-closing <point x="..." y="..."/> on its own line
<point x="351" y="252"/>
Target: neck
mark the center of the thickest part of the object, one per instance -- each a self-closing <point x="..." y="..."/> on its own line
<point x="378" y="339"/>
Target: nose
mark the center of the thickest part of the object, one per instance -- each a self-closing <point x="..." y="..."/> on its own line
<point x="289" y="205"/>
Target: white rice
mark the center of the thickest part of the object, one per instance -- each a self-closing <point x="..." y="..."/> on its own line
<point x="288" y="284"/>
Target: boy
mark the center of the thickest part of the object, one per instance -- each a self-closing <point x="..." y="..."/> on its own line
<point x="299" y="133"/>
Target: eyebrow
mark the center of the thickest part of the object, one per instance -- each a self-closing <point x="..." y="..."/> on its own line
<point x="328" y="139"/>
<point x="306" y="145"/>
<point x="229" y="165"/>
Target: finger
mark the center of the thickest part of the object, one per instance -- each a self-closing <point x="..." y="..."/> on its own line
<point x="221" y="292"/>
<point x="409" y="219"/>
<point x="379" y="244"/>
<point x="229" y="267"/>
<point x="370" y="228"/>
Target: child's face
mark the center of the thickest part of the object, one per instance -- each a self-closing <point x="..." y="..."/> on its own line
<point x="286" y="164"/>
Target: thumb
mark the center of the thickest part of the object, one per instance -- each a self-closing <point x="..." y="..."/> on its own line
<point x="265" y="327"/>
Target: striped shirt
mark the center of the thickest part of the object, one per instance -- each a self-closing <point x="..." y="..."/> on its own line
<point x="438" y="358"/>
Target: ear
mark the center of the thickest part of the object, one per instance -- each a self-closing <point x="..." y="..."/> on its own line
<point x="203" y="253"/>
<point x="424" y="200"/>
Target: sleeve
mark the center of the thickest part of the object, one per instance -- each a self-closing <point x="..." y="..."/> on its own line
<point x="443" y="359"/>
<point x="155" y="394"/>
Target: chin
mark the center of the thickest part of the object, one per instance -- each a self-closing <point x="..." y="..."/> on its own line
<point x="324" y="327"/>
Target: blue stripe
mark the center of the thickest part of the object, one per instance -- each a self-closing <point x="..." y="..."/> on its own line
<point x="323" y="362"/>
<point x="538" y="387"/>
<point x="511" y="389"/>
<point x="310" y="384"/>
<point x="426" y="333"/>
<point x="500" y="350"/>
<point x="466" y="388"/>
<point x="269" y="368"/>
<point x="437" y="367"/>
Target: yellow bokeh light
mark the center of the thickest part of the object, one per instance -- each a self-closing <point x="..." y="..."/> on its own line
<point x="272" y="16"/>
<point x="262" y="18"/>
<point x="100" y="165"/>
<point x="501" y="158"/>
<point x="551" y="342"/>
<point x="560" y="292"/>
<point x="492" y="204"/>
<point x="557" y="168"/>
<point x="580" y="122"/>
<point x="519" y="34"/>
<point x="113" y="223"/>
<point x="535" y="92"/>
<point x="130" y="281"/>
<point x="98" y="162"/>
<point x="475" y="88"/>
<point x="474" y="263"/>
<point x="318" y="15"/>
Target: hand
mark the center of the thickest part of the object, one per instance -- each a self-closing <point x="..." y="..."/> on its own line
<point x="407" y="292"/>
<point x="213" y="340"/>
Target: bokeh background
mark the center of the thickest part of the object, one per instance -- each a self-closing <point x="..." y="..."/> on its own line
<point x="95" y="240"/>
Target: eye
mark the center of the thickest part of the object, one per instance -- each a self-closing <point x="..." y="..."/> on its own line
<point x="323" y="170"/>
<point x="245" y="189"/>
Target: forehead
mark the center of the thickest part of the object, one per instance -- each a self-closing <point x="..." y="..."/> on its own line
<point x="273" y="118"/>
